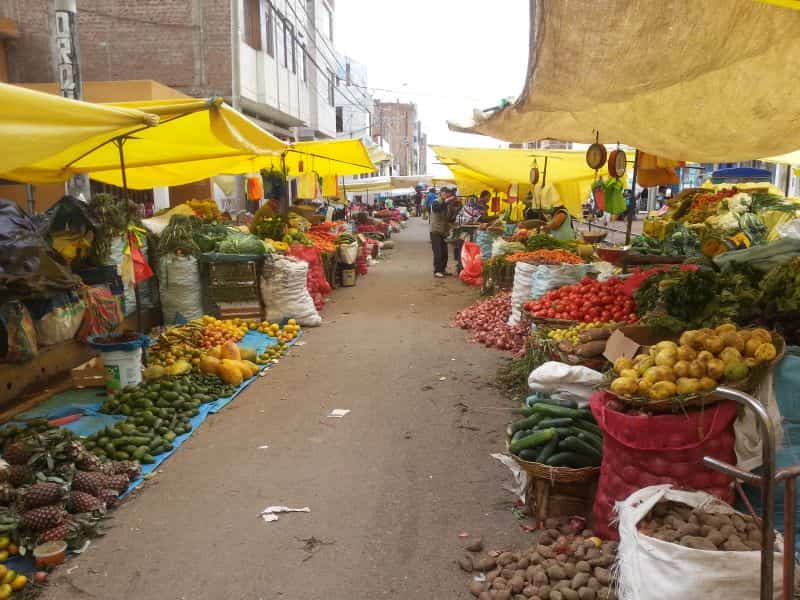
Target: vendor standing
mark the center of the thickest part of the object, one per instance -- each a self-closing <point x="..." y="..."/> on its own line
<point x="443" y="213"/>
<point x="469" y="215"/>
<point x="560" y="224"/>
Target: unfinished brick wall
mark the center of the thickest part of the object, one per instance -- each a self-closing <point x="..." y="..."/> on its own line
<point x="185" y="44"/>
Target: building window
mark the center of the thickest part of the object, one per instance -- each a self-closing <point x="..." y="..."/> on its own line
<point x="280" y="39"/>
<point x="331" y="87"/>
<point x="287" y="40"/>
<point x="326" y="22"/>
<point x="252" y="23"/>
<point x="269" y="17"/>
<point x="339" y="119"/>
<point x="293" y="49"/>
<point x="304" y="63"/>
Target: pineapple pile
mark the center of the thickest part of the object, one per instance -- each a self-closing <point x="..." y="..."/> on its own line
<point x="53" y="488"/>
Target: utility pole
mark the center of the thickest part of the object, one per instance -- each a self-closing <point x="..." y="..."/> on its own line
<point x="68" y="72"/>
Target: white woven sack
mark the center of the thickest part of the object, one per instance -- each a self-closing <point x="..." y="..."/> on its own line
<point x="521" y="292"/>
<point x="179" y="288"/>
<point x="652" y="569"/>
<point x="285" y="293"/>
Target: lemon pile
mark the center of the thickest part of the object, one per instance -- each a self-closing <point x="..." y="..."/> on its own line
<point x="571" y="334"/>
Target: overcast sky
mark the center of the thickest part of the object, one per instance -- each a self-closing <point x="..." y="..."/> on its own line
<point x="448" y="56"/>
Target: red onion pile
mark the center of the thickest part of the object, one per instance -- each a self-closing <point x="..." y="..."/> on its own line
<point x="488" y="320"/>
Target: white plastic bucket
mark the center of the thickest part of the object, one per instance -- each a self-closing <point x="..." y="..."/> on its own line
<point x="123" y="368"/>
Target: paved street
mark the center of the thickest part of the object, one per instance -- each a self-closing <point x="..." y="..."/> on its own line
<point x="390" y="486"/>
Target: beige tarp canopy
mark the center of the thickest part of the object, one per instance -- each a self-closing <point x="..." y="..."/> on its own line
<point x="701" y="81"/>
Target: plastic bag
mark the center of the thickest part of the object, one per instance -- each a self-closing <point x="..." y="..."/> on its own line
<point x="790" y="229"/>
<point x="576" y="380"/>
<point x="348" y="253"/>
<point x="285" y="295"/>
<point x="180" y="288"/>
<point x="20" y="242"/>
<point x="21" y="343"/>
<point x="551" y="277"/>
<point x="102" y="315"/>
<point x="57" y="319"/>
<point x="485" y="239"/>
<point x="472" y="264"/>
<point x="652" y="569"/>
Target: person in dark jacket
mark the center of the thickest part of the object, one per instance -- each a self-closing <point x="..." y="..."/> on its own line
<point x="443" y="212"/>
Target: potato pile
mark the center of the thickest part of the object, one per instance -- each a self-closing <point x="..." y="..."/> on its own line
<point x="700" y="530"/>
<point x="562" y="566"/>
<point x="701" y="360"/>
<point x="585" y="340"/>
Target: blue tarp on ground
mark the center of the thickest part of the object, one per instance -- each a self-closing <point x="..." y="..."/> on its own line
<point x="87" y="403"/>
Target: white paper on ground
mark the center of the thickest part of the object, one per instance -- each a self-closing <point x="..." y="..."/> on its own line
<point x="270" y="513"/>
<point x="338" y="413"/>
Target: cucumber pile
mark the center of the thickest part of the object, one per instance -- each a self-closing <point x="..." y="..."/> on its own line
<point x="556" y="433"/>
<point x="157" y="412"/>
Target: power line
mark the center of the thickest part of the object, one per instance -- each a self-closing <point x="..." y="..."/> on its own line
<point x="333" y="52"/>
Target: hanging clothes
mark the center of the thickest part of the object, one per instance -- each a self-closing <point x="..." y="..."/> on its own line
<point x="330" y="186"/>
<point x="307" y="186"/>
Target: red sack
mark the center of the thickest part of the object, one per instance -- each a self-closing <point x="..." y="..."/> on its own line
<point x="103" y="313"/>
<point x="639" y="451"/>
<point x="316" y="282"/>
<point x="472" y="264"/>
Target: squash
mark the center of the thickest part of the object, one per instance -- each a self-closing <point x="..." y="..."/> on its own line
<point x="230" y="373"/>
<point x="231" y="351"/>
<point x="209" y="365"/>
<point x="254" y="368"/>
<point x="154" y="372"/>
<point x="215" y="352"/>
<point x="179" y="367"/>
<point x="248" y="353"/>
<point x="241" y="367"/>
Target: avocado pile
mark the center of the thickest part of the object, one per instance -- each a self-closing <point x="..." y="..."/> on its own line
<point x="157" y="412"/>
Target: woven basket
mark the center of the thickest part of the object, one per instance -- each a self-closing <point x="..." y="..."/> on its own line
<point x="549" y="323"/>
<point x="557" y="474"/>
<point x="681" y="403"/>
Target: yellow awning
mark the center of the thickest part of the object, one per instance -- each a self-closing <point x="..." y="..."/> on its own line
<point x="34" y="126"/>
<point x="795" y="4"/>
<point x="324" y="157"/>
<point x="498" y="168"/>
<point x="194" y="139"/>
<point x="687" y="80"/>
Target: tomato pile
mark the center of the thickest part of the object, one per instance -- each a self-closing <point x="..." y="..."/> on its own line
<point x="489" y="320"/>
<point x="587" y="301"/>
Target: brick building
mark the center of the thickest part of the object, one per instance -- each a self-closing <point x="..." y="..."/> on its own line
<point x="397" y="123"/>
<point x="273" y="59"/>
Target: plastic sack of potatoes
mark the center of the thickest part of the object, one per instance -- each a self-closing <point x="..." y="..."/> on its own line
<point x="653" y="569"/>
